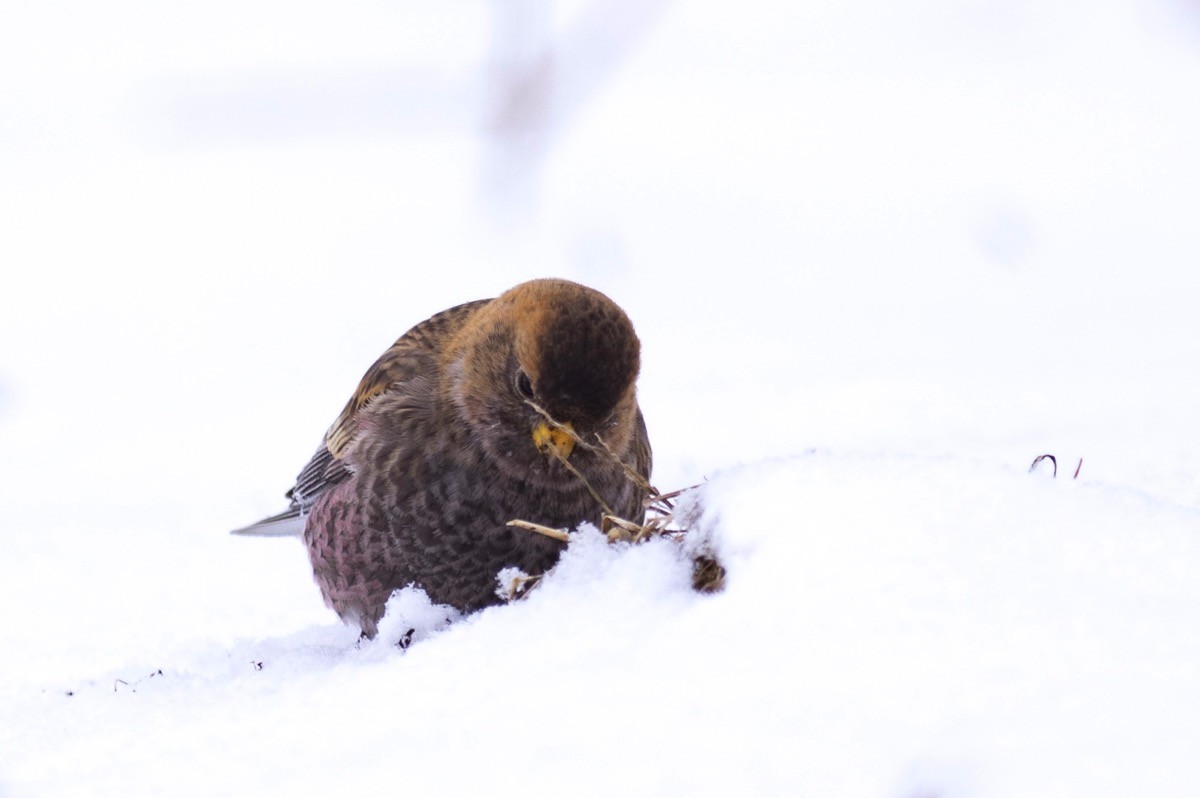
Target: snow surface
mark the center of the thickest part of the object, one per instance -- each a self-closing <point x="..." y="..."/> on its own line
<point x="879" y="256"/>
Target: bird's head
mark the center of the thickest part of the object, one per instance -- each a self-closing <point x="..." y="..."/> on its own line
<point x="546" y="348"/>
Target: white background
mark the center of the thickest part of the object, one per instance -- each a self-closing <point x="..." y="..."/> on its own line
<point x="879" y="257"/>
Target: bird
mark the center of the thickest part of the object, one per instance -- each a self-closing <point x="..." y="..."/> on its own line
<point x="519" y="407"/>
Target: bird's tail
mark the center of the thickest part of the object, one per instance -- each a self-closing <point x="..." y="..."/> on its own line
<point x="289" y="523"/>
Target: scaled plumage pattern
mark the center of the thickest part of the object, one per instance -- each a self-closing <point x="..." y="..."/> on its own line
<point x="441" y="446"/>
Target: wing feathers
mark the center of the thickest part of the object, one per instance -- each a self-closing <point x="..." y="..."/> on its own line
<point x="289" y="523"/>
<point x="409" y="360"/>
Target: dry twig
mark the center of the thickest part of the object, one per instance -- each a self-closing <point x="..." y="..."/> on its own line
<point x="1037" y="460"/>
<point x="1054" y="463"/>
<point x="548" y="531"/>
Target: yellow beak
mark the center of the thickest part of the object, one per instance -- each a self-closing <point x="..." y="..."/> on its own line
<point x="545" y="436"/>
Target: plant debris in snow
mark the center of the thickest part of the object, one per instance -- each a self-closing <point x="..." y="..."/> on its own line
<point x="661" y="520"/>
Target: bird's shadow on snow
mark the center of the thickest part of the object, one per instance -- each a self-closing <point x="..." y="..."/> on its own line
<point x="593" y="578"/>
<point x="313" y="649"/>
<point x="411" y="618"/>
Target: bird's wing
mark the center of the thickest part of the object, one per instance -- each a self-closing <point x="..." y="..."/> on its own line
<point x="407" y="361"/>
<point x="643" y="456"/>
<point x="289" y="523"/>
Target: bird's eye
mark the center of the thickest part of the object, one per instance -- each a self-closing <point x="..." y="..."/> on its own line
<point x="524" y="385"/>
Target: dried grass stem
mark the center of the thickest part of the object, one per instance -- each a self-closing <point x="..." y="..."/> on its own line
<point x="548" y="531"/>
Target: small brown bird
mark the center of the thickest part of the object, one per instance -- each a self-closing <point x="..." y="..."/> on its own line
<point x="447" y="439"/>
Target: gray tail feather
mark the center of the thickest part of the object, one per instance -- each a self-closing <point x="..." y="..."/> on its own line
<point x="289" y="523"/>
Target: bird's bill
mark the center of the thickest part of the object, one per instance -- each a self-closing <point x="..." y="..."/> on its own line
<point x="562" y="438"/>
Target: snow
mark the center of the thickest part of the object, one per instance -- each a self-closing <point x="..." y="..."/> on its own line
<point x="879" y="258"/>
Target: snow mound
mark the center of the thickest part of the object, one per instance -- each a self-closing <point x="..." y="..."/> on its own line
<point x="890" y="626"/>
<point x="411" y="617"/>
